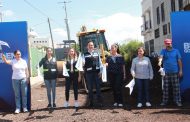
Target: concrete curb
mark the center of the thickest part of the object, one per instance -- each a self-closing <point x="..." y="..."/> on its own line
<point x="36" y="81"/>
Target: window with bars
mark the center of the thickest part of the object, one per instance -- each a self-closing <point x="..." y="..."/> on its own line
<point x="165" y="29"/>
<point x="172" y="5"/>
<point x="157" y="33"/>
<point x="180" y="3"/>
<point x="168" y="27"/>
<point x="151" y="42"/>
<point x="158" y="15"/>
<point x="162" y="12"/>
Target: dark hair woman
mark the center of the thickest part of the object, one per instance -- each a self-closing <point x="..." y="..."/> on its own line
<point x="19" y="80"/>
<point x="50" y="75"/>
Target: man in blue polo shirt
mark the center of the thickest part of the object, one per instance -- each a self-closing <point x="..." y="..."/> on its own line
<point x="172" y="64"/>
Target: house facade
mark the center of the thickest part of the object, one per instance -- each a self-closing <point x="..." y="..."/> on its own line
<point x="156" y="21"/>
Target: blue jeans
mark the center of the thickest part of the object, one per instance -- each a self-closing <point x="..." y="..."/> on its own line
<point x="51" y="88"/>
<point x="143" y="89"/>
<point x="20" y="88"/>
<point x="92" y="77"/>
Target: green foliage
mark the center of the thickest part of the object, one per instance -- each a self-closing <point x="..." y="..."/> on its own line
<point x="130" y="49"/>
<point x="76" y="47"/>
<point x="36" y="55"/>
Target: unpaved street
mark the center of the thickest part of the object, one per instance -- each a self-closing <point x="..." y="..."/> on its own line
<point x="107" y="113"/>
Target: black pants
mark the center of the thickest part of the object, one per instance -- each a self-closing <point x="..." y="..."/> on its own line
<point x="73" y="78"/>
<point x="93" y="78"/>
<point x="116" y="81"/>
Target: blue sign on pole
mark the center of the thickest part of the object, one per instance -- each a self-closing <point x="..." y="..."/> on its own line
<point x="180" y="26"/>
<point x="15" y="35"/>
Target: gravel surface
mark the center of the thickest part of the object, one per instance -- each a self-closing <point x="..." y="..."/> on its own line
<point x="107" y="113"/>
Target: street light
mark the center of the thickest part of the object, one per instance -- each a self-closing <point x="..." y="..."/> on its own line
<point x="66" y="19"/>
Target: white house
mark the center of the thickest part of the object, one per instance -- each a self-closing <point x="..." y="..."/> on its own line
<point x="156" y="21"/>
<point x="40" y="42"/>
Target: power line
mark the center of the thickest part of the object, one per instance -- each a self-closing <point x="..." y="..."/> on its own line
<point x="41" y="12"/>
<point x="39" y="23"/>
<point x="37" y="9"/>
<point x="44" y="33"/>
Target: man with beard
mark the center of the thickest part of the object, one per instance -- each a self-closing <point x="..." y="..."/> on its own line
<point x="172" y="65"/>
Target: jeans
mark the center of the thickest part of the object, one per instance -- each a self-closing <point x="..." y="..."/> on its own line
<point x="51" y="88"/>
<point x="73" y="78"/>
<point x="20" y="88"/>
<point x="116" y="81"/>
<point x="93" y="78"/>
<point x="143" y="84"/>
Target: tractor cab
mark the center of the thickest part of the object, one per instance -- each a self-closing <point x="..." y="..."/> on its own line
<point x="100" y="43"/>
<point x="97" y="36"/>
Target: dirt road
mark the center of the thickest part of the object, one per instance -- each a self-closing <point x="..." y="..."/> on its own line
<point x="107" y="113"/>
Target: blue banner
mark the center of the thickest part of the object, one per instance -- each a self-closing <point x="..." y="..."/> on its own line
<point x="15" y="35"/>
<point x="180" y="25"/>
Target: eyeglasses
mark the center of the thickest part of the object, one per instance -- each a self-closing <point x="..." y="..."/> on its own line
<point x="18" y="54"/>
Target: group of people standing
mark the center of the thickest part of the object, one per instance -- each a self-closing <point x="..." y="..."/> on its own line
<point x="141" y="71"/>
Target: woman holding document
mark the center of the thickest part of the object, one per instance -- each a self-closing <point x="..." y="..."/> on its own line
<point x="141" y="70"/>
<point x="73" y="77"/>
<point x="50" y="75"/>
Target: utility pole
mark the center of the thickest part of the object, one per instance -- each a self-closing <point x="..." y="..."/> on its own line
<point x="51" y="38"/>
<point x="66" y="20"/>
<point x="1" y="15"/>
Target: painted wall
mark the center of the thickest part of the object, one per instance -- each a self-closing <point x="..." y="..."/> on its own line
<point x="15" y="34"/>
<point x="180" y="25"/>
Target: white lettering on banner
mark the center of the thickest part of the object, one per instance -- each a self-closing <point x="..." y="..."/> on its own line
<point x="186" y="46"/>
<point x="9" y="56"/>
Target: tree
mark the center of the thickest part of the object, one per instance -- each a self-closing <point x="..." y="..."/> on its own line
<point x="76" y="47"/>
<point x="129" y="50"/>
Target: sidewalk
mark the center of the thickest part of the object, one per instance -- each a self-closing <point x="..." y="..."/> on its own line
<point x="35" y="81"/>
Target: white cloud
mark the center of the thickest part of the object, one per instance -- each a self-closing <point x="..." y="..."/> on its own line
<point x="59" y="35"/>
<point x="95" y="14"/>
<point x="33" y="34"/>
<point x="119" y="27"/>
<point x="60" y="32"/>
<point x="8" y="13"/>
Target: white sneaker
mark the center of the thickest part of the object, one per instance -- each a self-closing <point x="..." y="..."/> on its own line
<point x="148" y="104"/>
<point x="25" y="110"/>
<point x="76" y="104"/>
<point x="178" y="104"/>
<point x="120" y="105"/>
<point x="139" y="105"/>
<point x="66" y="104"/>
<point x="115" y="104"/>
<point x="17" y="111"/>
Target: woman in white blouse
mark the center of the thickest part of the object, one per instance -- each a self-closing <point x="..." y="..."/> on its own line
<point x="19" y="80"/>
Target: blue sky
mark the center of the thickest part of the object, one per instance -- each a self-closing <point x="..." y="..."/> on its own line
<point x="120" y="18"/>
